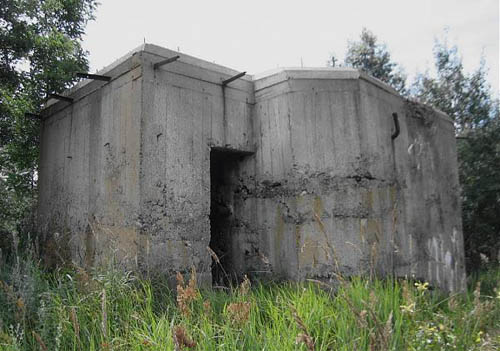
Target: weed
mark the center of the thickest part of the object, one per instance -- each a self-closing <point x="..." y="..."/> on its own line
<point x="181" y="339"/>
<point x="238" y="312"/>
<point x="303" y="337"/>
<point x="186" y="294"/>
<point x="111" y="310"/>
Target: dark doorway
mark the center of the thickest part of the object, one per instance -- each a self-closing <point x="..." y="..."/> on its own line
<point x="224" y="170"/>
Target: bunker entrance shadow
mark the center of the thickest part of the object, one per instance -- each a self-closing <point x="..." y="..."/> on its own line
<point x="224" y="169"/>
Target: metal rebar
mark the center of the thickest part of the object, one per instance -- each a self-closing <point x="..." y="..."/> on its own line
<point x="396" y="124"/>
<point x="164" y="62"/>
<point x="93" y="76"/>
<point x="229" y="80"/>
<point x="60" y="97"/>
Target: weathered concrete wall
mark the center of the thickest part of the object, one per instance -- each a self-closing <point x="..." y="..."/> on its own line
<point x="324" y="184"/>
<point x="139" y="146"/>
<point x="89" y="172"/>
<point x="433" y="235"/>
<point x="314" y="182"/>
<point x="332" y="190"/>
<point x="185" y="115"/>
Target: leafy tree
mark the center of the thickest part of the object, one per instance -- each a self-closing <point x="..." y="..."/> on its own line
<point x="479" y="157"/>
<point x="467" y="99"/>
<point x="40" y="43"/>
<point x="374" y="58"/>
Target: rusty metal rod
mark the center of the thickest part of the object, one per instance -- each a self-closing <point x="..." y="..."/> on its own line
<point x="60" y="97"/>
<point x="93" y="76"/>
<point x="229" y="80"/>
<point x="396" y="124"/>
<point x="164" y="62"/>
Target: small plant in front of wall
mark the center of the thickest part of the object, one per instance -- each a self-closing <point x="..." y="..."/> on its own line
<point x="186" y="294"/>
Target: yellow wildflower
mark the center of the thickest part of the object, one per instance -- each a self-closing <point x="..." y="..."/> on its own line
<point x="408" y="308"/>
<point x="478" y="339"/>
<point x="421" y="287"/>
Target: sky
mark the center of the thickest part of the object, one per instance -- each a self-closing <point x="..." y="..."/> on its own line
<point x="257" y="35"/>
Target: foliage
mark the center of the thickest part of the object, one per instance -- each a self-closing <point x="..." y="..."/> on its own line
<point x="479" y="157"/>
<point x="467" y="99"/>
<point x="374" y="58"/>
<point x="41" y="50"/>
<point x="111" y="310"/>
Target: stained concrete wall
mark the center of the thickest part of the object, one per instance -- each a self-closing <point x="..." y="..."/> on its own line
<point x="318" y="184"/>
<point x="333" y="192"/>
<point x="186" y="113"/>
<point x="89" y="171"/>
<point x="125" y="169"/>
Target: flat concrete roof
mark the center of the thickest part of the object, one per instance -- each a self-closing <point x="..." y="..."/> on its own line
<point x="278" y="75"/>
<point x="261" y="80"/>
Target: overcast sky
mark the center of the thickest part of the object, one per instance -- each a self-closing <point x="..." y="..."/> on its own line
<point x="257" y="35"/>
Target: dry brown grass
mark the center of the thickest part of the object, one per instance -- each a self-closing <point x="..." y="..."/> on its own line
<point x="181" y="338"/>
<point x="239" y="312"/>
<point x="305" y="336"/>
<point x="40" y="342"/>
<point x="186" y="294"/>
<point x="213" y="255"/>
<point x="207" y="308"/>
<point x="84" y="280"/>
<point x="76" y="326"/>
<point x="481" y="307"/>
<point x="380" y="334"/>
<point x="244" y="287"/>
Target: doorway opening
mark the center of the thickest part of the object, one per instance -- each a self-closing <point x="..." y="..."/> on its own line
<point x="224" y="169"/>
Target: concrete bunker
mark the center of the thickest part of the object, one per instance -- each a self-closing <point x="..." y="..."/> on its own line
<point x="162" y="161"/>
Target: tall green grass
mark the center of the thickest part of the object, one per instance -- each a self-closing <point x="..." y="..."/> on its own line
<point x="112" y="310"/>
